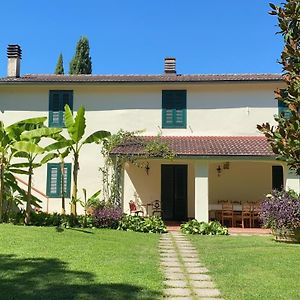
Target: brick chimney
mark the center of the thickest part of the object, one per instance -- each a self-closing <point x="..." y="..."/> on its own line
<point x="170" y="65"/>
<point x="14" y="55"/>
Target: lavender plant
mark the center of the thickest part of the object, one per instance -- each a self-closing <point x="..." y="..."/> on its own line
<point x="107" y="217"/>
<point x="281" y="210"/>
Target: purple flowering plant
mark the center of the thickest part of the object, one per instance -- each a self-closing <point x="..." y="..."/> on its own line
<point x="107" y="217"/>
<point x="280" y="210"/>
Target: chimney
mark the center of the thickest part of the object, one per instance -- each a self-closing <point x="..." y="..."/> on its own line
<point x="170" y="65"/>
<point x="14" y="54"/>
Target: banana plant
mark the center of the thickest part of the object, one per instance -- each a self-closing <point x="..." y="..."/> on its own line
<point x="74" y="143"/>
<point x="27" y="148"/>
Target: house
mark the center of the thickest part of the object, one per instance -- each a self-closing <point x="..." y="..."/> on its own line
<point x="208" y="120"/>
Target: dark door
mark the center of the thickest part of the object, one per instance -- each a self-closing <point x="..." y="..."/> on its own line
<point x="277" y="178"/>
<point x="174" y="192"/>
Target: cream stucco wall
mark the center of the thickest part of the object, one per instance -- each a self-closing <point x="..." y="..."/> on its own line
<point x="212" y="109"/>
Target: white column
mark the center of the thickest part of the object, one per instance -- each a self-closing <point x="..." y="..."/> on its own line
<point x="201" y="191"/>
<point x="292" y="180"/>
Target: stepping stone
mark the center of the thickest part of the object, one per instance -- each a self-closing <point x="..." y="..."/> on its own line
<point x="202" y="284"/>
<point x="173" y="270"/>
<point x="173" y="264"/>
<point x="168" y="255"/>
<point x="190" y="259"/>
<point x="176" y="283"/>
<point x="181" y="298"/>
<point x="175" y="276"/>
<point x="200" y="277"/>
<point x="197" y="270"/>
<point x="169" y="259"/>
<point x="207" y="292"/>
<point x="193" y="265"/>
<point x="177" y="292"/>
<point x="190" y="252"/>
<point x="190" y="255"/>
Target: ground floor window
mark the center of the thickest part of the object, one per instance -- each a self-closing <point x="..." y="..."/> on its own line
<point x="56" y="183"/>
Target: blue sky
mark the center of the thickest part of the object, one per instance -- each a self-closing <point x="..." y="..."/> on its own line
<point x="134" y="36"/>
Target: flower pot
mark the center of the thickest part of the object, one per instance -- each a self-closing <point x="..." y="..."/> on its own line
<point x="287" y="235"/>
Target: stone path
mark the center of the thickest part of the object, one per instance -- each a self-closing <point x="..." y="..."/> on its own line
<point x="185" y="277"/>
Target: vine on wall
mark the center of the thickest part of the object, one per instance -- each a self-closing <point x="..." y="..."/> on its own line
<point x="113" y="164"/>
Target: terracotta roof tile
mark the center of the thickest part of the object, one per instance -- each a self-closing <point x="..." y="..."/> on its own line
<point x="44" y="78"/>
<point x="206" y="146"/>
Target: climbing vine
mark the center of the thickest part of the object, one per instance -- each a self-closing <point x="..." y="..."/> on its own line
<point x="113" y="163"/>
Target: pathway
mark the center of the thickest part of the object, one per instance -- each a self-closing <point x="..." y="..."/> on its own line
<point x="185" y="277"/>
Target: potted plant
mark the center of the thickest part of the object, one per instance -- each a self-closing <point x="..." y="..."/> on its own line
<point x="280" y="211"/>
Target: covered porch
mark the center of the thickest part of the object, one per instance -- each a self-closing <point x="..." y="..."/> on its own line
<point x="206" y="172"/>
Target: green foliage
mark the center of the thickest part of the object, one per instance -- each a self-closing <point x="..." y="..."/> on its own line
<point x="59" y="69"/>
<point x="203" y="228"/>
<point x="81" y="62"/>
<point x="152" y="224"/>
<point x="285" y="137"/>
<point x="156" y="148"/>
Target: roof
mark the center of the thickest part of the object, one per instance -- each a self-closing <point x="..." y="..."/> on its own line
<point x="245" y="146"/>
<point x="165" y="78"/>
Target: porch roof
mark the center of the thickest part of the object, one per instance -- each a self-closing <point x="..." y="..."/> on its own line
<point x="246" y="146"/>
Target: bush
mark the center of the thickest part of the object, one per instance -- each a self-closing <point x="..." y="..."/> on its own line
<point x="152" y="224"/>
<point x="281" y="210"/>
<point x="203" y="228"/>
<point x="107" y="217"/>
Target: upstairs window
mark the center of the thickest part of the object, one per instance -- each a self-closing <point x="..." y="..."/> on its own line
<point x="283" y="109"/>
<point x="174" y="109"/>
<point x="57" y="102"/>
<point x="54" y="180"/>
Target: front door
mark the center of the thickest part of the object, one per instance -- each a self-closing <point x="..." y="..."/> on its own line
<point x="174" y="192"/>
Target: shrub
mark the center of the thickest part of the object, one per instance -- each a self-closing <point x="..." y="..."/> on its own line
<point x="107" y="217"/>
<point x="281" y="210"/>
<point x="152" y="224"/>
<point x="203" y="228"/>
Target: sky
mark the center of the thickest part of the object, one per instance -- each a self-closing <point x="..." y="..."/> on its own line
<point x="134" y="36"/>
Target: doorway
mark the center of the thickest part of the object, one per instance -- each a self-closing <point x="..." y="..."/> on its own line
<point x="174" y="192"/>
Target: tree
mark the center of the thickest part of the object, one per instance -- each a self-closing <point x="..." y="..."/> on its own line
<point x="27" y="148"/>
<point x="76" y="129"/>
<point x="59" y="69"/>
<point x="81" y="62"/>
<point x="285" y="136"/>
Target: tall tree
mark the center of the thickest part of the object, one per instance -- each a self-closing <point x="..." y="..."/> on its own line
<point x="81" y="62"/>
<point x="285" y="136"/>
<point x="59" y="69"/>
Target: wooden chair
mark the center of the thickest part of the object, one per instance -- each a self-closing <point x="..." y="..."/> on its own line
<point x="255" y="214"/>
<point x="134" y="210"/>
<point x="227" y="213"/>
<point x="246" y="214"/>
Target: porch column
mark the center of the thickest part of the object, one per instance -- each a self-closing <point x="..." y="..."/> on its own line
<point x="201" y="191"/>
<point x="292" y="180"/>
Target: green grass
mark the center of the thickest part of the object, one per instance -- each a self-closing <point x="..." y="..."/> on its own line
<point x="42" y="263"/>
<point x="251" y="267"/>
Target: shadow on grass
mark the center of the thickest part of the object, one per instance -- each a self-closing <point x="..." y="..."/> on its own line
<point x="40" y="278"/>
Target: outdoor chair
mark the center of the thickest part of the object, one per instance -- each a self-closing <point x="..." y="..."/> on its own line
<point x="155" y="208"/>
<point x="227" y="213"/>
<point x="255" y="215"/>
<point x="134" y="209"/>
<point x="246" y="214"/>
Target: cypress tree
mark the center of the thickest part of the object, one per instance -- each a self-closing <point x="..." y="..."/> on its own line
<point x="60" y="65"/>
<point x="81" y="62"/>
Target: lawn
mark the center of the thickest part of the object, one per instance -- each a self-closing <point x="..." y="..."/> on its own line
<point x="251" y="267"/>
<point x="44" y="263"/>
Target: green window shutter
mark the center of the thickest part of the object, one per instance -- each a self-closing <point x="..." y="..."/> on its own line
<point x="57" y="101"/>
<point x="283" y="109"/>
<point x="54" y="178"/>
<point x="174" y="108"/>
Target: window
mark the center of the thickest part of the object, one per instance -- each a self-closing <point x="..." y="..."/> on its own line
<point x="283" y="109"/>
<point x="57" y="102"/>
<point x="174" y="109"/>
<point x="54" y="180"/>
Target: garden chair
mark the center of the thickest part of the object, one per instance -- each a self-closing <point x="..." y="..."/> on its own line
<point x="227" y="213"/>
<point x="156" y="209"/>
<point x="134" y="209"/>
<point x="246" y="214"/>
<point x="255" y="214"/>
